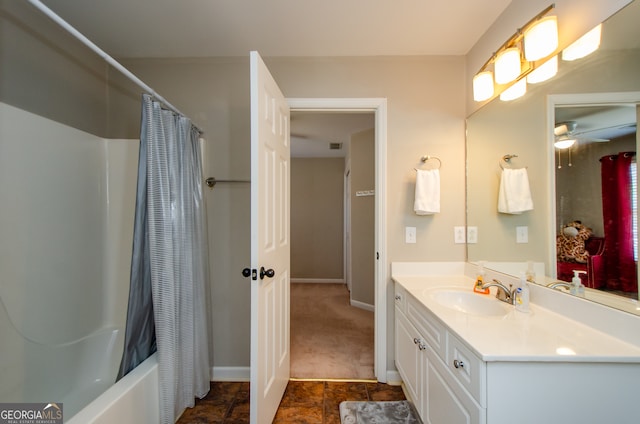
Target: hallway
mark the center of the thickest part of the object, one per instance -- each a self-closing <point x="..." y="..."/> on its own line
<point x="330" y="339"/>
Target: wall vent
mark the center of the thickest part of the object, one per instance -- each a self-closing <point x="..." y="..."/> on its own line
<point x="335" y="146"/>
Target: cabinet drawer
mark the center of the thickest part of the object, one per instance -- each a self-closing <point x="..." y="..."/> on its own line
<point x="400" y="297"/>
<point x="467" y="368"/>
<point x="433" y="332"/>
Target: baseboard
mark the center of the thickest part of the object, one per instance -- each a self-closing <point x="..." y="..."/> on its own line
<point x="318" y="280"/>
<point x="393" y="378"/>
<point x="230" y="373"/>
<point x="244" y="374"/>
<point x="362" y="305"/>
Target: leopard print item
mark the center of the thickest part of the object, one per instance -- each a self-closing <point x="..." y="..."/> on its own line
<point x="571" y="249"/>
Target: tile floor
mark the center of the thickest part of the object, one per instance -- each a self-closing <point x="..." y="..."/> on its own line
<point x="304" y="402"/>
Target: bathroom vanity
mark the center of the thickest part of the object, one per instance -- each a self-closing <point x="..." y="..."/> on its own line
<point x="470" y="358"/>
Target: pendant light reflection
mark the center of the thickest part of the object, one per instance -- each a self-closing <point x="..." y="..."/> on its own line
<point x="564" y="143"/>
<point x="516" y="90"/>
<point x="544" y="72"/>
<point x="584" y="46"/>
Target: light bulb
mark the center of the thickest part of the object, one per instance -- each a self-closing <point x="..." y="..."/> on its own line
<point x="482" y="86"/>
<point x="541" y="39"/>
<point x="507" y="65"/>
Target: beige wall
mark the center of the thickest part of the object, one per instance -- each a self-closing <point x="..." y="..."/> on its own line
<point x="46" y="71"/>
<point x="425" y="102"/>
<point x="362" y="178"/>
<point x="317" y="218"/>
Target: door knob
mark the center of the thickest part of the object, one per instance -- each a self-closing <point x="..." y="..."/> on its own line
<point x="266" y="272"/>
<point x="248" y="272"/>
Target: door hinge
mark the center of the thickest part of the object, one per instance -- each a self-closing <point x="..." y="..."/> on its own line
<point x="377" y="256"/>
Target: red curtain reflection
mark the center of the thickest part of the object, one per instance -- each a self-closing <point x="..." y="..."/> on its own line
<point x="618" y="221"/>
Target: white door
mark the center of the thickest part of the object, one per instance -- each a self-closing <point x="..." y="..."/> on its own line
<point x="269" y="243"/>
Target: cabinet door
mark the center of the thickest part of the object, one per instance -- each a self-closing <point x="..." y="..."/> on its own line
<point x="408" y="358"/>
<point x="444" y="401"/>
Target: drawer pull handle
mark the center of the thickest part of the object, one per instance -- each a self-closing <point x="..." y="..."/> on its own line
<point x="458" y="364"/>
<point x="398" y="297"/>
<point x="416" y="340"/>
<point x="422" y="346"/>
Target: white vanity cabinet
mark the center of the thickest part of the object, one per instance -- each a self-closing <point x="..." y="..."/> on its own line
<point x="443" y="378"/>
<point x="518" y="381"/>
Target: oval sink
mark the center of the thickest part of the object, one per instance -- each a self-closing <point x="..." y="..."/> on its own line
<point x="470" y="303"/>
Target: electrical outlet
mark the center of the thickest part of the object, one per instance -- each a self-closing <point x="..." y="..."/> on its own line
<point x="409" y="234"/>
<point x="472" y="235"/>
<point x="459" y="235"/>
<point x="522" y="234"/>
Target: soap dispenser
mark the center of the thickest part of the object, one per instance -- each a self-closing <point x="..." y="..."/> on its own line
<point x="477" y="286"/>
<point x="531" y="274"/>
<point x="522" y="295"/>
<point x="577" y="288"/>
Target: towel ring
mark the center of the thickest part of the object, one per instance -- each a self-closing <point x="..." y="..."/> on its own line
<point x="506" y="160"/>
<point x="426" y="158"/>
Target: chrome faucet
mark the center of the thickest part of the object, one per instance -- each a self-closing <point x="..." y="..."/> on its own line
<point x="504" y="293"/>
<point x="557" y="284"/>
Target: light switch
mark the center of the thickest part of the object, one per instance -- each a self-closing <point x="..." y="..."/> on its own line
<point x="472" y="235"/>
<point x="459" y="235"/>
<point x="409" y="234"/>
<point x="522" y="234"/>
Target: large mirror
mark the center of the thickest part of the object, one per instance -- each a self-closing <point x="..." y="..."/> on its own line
<point x="596" y="99"/>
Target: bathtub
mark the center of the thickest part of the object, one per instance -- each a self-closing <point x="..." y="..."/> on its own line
<point x="133" y="399"/>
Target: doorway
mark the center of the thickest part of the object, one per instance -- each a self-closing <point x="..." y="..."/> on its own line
<point x="376" y="107"/>
<point x="332" y="321"/>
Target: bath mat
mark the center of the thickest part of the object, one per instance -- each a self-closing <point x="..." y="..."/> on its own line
<point x="399" y="412"/>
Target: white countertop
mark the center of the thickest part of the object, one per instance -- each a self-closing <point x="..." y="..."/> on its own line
<point x="541" y="335"/>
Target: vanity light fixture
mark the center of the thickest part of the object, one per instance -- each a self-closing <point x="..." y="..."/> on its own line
<point x="517" y="58"/>
<point x="483" y="86"/>
<point x="584" y="45"/>
<point x="507" y="65"/>
<point x="541" y="39"/>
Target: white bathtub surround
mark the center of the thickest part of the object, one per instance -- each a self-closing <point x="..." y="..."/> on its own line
<point x="64" y="305"/>
<point x="561" y="356"/>
<point x="132" y="400"/>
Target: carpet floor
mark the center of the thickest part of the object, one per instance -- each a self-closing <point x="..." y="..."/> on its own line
<point x="330" y="339"/>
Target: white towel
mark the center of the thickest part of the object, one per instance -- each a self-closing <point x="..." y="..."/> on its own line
<point x="514" y="196"/>
<point x="427" y="201"/>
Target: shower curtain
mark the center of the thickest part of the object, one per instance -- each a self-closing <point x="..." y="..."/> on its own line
<point x="172" y="258"/>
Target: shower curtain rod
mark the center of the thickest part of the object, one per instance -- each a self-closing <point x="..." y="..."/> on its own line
<point x="110" y="60"/>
